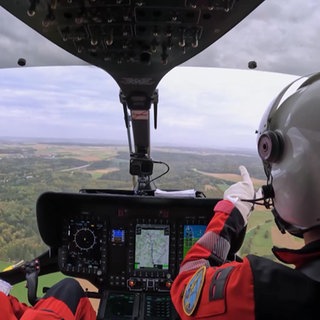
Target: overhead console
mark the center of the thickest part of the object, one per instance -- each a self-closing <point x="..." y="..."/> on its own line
<point x="136" y="41"/>
<point x="129" y="246"/>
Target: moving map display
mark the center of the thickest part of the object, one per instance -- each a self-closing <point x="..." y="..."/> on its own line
<point x="152" y="247"/>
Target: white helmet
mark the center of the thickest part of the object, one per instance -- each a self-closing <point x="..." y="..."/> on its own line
<point x="289" y="145"/>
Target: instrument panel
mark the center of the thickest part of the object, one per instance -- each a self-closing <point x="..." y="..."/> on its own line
<point x="130" y="247"/>
<point x="122" y="242"/>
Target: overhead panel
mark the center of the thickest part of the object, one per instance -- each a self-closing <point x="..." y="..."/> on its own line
<point x="136" y="41"/>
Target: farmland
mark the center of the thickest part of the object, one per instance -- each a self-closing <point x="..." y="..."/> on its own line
<point x="29" y="168"/>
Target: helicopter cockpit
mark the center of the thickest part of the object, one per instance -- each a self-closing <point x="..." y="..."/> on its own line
<point x="127" y="243"/>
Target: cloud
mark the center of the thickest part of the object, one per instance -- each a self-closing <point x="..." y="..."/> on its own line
<point x="280" y="36"/>
<point x="59" y="102"/>
<point x="215" y="107"/>
<point x="210" y="107"/>
<point x="19" y="41"/>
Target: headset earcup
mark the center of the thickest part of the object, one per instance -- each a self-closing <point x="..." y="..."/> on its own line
<point x="270" y="146"/>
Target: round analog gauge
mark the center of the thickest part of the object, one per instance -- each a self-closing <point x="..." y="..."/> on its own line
<point x="85" y="239"/>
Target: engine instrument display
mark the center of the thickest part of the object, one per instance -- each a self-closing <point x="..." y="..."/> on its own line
<point x="191" y="234"/>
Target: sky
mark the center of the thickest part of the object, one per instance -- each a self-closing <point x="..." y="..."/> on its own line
<point x="204" y="107"/>
<point x="212" y="100"/>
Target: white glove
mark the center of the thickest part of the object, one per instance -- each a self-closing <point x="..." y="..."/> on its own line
<point x="240" y="191"/>
<point x="5" y="287"/>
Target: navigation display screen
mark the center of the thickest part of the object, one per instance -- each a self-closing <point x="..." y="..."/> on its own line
<point x="152" y="247"/>
<point x="191" y="234"/>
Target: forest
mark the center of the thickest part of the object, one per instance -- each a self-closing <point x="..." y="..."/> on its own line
<point x="28" y="169"/>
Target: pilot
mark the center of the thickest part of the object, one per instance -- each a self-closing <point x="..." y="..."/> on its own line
<point x="211" y="286"/>
<point x="65" y="300"/>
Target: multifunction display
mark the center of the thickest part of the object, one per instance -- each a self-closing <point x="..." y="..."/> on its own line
<point x="191" y="234"/>
<point x="84" y="246"/>
<point x="152" y="247"/>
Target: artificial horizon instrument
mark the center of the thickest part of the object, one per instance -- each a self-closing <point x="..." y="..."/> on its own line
<point x="128" y="243"/>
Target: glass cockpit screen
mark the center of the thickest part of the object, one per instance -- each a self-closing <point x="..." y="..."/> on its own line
<point x="85" y="239"/>
<point x="191" y="234"/>
<point x="152" y="247"/>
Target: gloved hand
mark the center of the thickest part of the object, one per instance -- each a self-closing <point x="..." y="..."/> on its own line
<point x="5" y="287"/>
<point x="239" y="191"/>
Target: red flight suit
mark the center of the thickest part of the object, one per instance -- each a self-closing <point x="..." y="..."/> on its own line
<point x="209" y="287"/>
<point x="64" y="301"/>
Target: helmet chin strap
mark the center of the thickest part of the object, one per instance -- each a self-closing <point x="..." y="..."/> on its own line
<point x="279" y="222"/>
<point x="266" y="199"/>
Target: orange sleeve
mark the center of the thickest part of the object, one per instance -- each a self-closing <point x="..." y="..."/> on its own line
<point x="206" y="285"/>
<point x="227" y="293"/>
